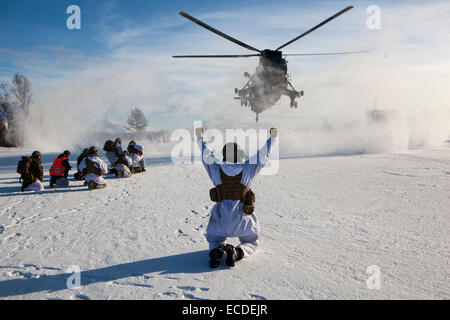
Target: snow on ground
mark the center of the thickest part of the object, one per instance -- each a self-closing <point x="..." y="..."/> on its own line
<point x="324" y="221"/>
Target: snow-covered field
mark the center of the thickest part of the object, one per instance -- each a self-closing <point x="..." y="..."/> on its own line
<point x="324" y="221"/>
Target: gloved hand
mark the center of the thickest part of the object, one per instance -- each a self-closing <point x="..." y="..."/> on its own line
<point x="273" y="132"/>
<point x="199" y="132"/>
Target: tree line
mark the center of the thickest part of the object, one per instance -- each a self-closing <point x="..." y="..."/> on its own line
<point x="15" y="103"/>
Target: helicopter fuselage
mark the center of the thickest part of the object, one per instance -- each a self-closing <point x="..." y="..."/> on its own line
<point x="267" y="84"/>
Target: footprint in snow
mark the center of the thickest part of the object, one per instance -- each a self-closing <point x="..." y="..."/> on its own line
<point x="189" y="288"/>
<point x="192" y="297"/>
<point x="170" y="294"/>
<point x="52" y="268"/>
<point x="31" y="266"/>
<point x="24" y="275"/>
<point x="199" y="227"/>
<point x="194" y="212"/>
<point x="2" y="228"/>
<point x="257" y="297"/>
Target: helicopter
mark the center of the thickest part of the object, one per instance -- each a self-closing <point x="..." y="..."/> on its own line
<point x="270" y="80"/>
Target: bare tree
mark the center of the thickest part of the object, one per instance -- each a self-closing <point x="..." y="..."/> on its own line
<point x="15" y="101"/>
<point x="21" y="89"/>
<point x="4" y="114"/>
<point x="3" y="101"/>
<point x="136" y="120"/>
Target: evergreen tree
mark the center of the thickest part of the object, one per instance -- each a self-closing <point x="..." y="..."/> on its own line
<point x="136" y="120"/>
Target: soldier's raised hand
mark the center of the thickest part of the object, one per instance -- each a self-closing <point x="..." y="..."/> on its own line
<point x="273" y="132"/>
<point x="199" y="132"/>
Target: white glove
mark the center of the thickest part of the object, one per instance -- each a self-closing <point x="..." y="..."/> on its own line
<point x="199" y="132"/>
<point x="273" y="132"/>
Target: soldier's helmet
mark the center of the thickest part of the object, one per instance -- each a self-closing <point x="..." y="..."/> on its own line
<point x="36" y="154"/>
<point x="232" y="153"/>
<point x="93" y="151"/>
<point x="139" y="149"/>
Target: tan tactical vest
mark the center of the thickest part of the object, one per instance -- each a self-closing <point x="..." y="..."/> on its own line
<point x="121" y="159"/>
<point x="232" y="189"/>
<point x="91" y="168"/>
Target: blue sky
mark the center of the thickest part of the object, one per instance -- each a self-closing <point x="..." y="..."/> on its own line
<point x="30" y="25"/>
<point x="40" y="26"/>
<point x="121" y="57"/>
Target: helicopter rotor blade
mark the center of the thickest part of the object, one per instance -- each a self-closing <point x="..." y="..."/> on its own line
<point x="324" y="54"/>
<point x="221" y="56"/>
<point x="316" y="27"/>
<point x="204" y="25"/>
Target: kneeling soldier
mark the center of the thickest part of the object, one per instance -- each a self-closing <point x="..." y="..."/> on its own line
<point x="123" y="165"/>
<point x="233" y="214"/>
<point x="59" y="170"/>
<point x="137" y="158"/>
<point x="92" y="168"/>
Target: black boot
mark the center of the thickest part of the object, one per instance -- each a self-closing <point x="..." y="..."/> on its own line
<point x="233" y="254"/>
<point x="216" y="255"/>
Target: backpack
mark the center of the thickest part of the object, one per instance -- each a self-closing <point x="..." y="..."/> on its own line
<point x="121" y="159"/>
<point x="109" y="146"/>
<point x="91" y="168"/>
<point x="23" y="166"/>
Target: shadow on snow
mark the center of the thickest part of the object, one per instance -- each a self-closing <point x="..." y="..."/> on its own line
<point x="192" y="262"/>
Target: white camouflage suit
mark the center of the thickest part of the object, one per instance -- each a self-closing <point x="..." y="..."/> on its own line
<point x="111" y="155"/>
<point x="125" y="168"/>
<point x="35" y="186"/>
<point x="138" y="161"/>
<point x="99" y="163"/>
<point x="226" y="217"/>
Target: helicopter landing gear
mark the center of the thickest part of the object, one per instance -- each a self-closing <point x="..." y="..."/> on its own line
<point x="294" y="104"/>
<point x="244" y="102"/>
<point x="293" y="94"/>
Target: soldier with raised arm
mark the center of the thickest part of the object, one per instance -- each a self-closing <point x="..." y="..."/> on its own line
<point x="233" y="215"/>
